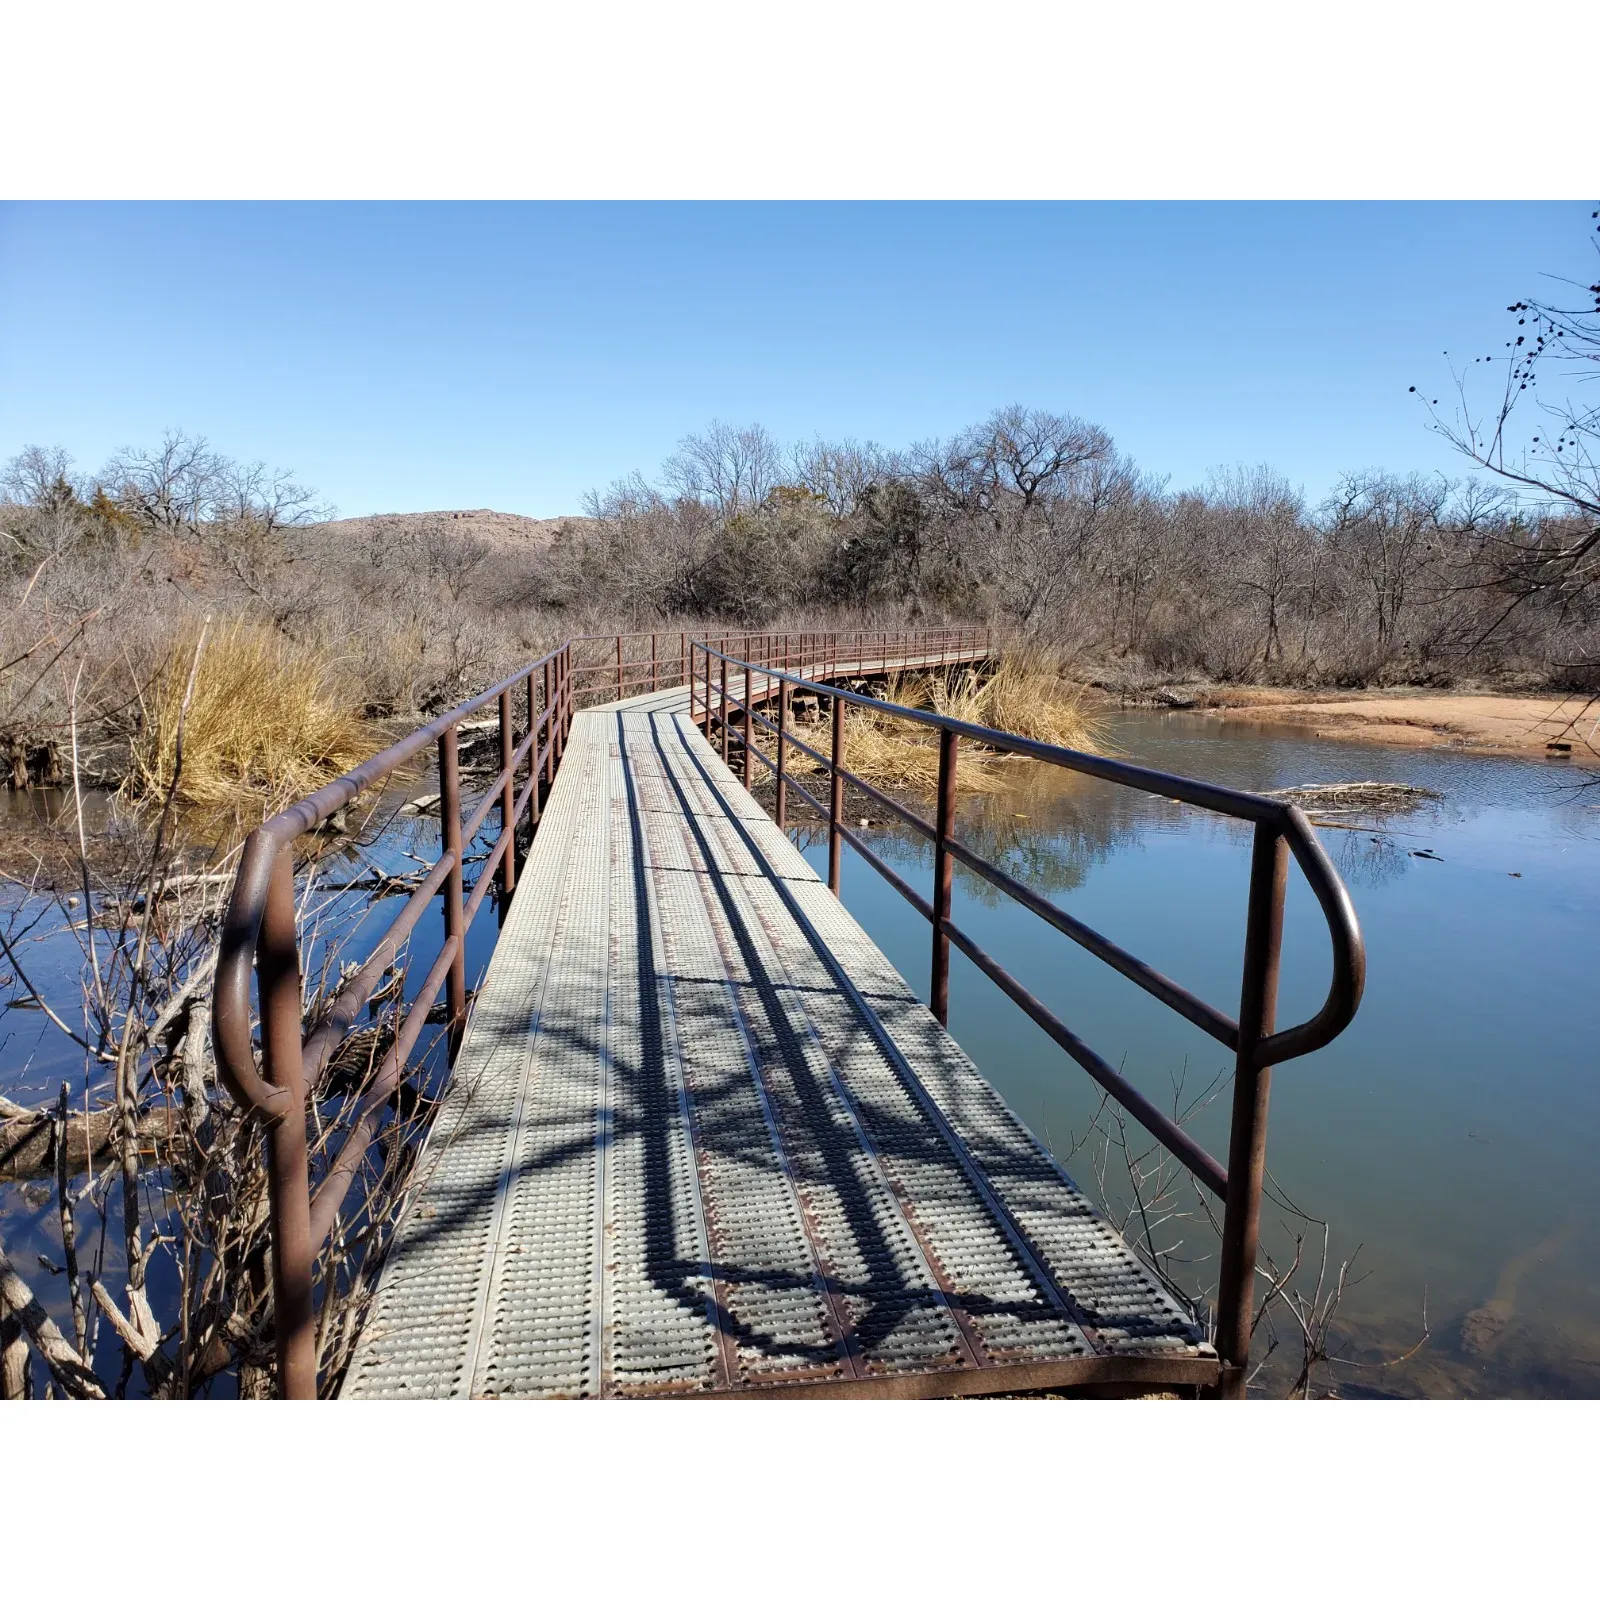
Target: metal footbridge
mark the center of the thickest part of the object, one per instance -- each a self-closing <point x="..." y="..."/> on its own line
<point x="700" y="1138"/>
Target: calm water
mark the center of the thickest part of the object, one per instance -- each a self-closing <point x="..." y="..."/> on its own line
<point x="1449" y="1132"/>
<point x="35" y="1058"/>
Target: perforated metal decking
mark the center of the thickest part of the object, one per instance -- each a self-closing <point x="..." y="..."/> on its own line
<point x="702" y="1139"/>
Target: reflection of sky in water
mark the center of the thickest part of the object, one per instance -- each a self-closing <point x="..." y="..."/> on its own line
<point x="35" y="1058"/>
<point x="1449" y="1130"/>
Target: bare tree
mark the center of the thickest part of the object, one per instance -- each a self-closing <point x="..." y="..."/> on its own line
<point x="730" y="469"/>
<point x="263" y="497"/>
<point x="1540" y="433"/>
<point x="1387" y="529"/>
<point x="839" y="475"/>
<point x="1273" y="550"/>
<point x="173" y="487"/>
<point x="51" y="515"/>
<point x="450" y="559"/>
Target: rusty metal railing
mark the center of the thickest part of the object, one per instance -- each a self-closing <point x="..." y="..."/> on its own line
<point x="259" y="932"/>
<point x="607" y="666"/>
<point x="1281" y="831"/>
<point x="259" y="935"/>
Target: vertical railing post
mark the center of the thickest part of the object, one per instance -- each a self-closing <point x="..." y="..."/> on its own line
<point x="683" y="658"/>
<point x="549" y="731"/>
<point x="655" y="676"/>
<point x="943" y="873"/>
<point x="749" y="727"/>
<point x="454" y="928"/>
<point x="722" y="708"/>
<point x="288" y="1167"/>
<point x="689" y="678"/>
<point x="564" y="696"/>
<point x="783" y="751"/>
<point x="1247" y="1138"/>
<point x="533" y="761"/>
<point x="707" y="649"/>
<point x="836" y="796"/>
<point x="619" y="666"/>
<point x="508" y="798"/>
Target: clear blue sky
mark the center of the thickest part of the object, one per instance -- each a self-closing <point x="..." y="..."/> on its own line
<point x="418" y="357"/>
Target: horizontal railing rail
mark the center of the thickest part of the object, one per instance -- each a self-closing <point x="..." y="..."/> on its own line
<point x="259" y="934"/>
<point x="728" y="710"/>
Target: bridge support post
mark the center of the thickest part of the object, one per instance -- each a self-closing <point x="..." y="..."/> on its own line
<point x="749" y="730"/>
<point x="1252" y="1081"/>
<point x="564" y="702"/>
<point x="549" y="729"/>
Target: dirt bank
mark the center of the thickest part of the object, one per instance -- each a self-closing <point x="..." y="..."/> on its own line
<point x="1501" y="724"/>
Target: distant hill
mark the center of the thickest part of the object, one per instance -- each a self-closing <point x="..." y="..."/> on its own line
<point x="502" y="528"/>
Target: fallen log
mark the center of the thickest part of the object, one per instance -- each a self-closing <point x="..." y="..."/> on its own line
<point x="17" y="1301"/>
<point x="28" y="1139"/>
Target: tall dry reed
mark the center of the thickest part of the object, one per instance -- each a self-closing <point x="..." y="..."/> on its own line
<point x="266" y="720"/>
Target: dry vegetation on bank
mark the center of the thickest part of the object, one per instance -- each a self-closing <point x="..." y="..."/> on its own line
<point x="260" y="718"/>
<point x="1025" y="695"/>
<point x="1030" y="522"/>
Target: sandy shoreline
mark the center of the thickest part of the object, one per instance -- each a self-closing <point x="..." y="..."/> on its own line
<point x="1494" y="724"/>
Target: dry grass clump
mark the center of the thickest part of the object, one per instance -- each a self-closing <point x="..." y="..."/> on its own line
<point x="1022" y="696"/>
<point x="265" y="721"/>
<point x="893" y="753"/>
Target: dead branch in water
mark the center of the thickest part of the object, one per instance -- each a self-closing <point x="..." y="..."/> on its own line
<point x="1145" y="1192"/>
<point x="185" y="1164"/>
<point x="17" y="1301"/>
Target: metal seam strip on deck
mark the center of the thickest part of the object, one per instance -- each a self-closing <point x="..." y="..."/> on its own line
<point x="702" y="1138"/>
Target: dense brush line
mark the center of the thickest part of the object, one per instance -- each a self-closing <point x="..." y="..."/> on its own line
<point x="1030" y="521"/>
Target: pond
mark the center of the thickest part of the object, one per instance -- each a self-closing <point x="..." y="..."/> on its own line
<point x="1448" y="1133"/>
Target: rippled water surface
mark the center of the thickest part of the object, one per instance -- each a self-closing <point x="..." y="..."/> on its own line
<point x="1450" y="1132"/>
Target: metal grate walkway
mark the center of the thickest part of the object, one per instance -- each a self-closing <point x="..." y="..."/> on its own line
<point x="702" y="1139"/>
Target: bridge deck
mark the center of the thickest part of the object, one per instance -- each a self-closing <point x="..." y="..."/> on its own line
<point x="702" y="1139"/>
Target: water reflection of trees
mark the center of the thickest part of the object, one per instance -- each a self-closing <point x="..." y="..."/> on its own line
<point x="1366" y="860"/>
<point x="1047" y="828"/>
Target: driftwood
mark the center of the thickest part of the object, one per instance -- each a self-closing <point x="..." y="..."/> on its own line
<point x="1368" y="796"/>
<point x="28" y="1139"/>
<point x="69" y="1227"/>
<point x="17" y="1301"/>
<point x="16" y="1365"/>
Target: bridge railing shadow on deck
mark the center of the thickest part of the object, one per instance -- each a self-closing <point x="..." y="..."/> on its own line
<point x="726" y="689"/>
<point x="259" y="937"/>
